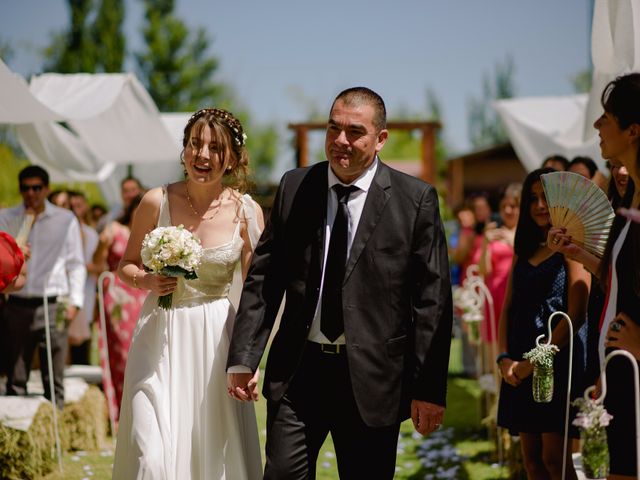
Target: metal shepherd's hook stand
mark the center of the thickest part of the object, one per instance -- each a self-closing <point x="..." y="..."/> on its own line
<point x="105" y="347"/>
<point x="568" y="400"/>
<point x="603" y="394"/>
<point x="52" y="387"/>
<point x="476" y="282"/>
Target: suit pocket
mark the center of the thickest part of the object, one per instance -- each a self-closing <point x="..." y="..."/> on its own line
<point x="396" y="346"/>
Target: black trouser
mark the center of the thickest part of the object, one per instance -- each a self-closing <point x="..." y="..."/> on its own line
<point x="25" y="331"/>
<point x="320" y="400"/>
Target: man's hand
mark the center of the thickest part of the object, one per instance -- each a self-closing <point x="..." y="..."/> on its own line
<point x="71" y="313"/>
<point x="624" y="333"/>
<point x="426" y="416"/>
<point x="243" y="386"/>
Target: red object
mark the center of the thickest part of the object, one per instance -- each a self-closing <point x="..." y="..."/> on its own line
<point x="11" y="260"/>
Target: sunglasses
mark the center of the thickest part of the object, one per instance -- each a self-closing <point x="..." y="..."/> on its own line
<point x="35" y="188"/>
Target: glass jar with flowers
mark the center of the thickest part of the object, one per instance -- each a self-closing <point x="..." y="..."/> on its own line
<point x="541" y="358"/>
<point x="593" y="419"/>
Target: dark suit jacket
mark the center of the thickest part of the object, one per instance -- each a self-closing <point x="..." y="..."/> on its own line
<point x="396" y="294"/>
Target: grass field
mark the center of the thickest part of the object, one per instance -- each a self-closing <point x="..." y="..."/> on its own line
<point x="459" y="451"/>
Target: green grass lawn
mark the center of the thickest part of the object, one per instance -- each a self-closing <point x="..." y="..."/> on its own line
<point x="463" y="438"/>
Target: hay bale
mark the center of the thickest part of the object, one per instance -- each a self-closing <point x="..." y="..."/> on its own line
<point x="28" y="454"/>
<point x="83" y="424"/>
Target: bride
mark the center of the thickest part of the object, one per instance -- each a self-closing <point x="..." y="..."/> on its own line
<point x="177" y="421"/>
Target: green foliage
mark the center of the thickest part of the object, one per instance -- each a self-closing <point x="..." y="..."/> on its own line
<point x="175" y="68"/>
<point x="10" y="166"/>
<point x="108" y="36"/>
<point x="581" y="81"/>
<point x="94" y="41"/>
<point x="262" y="144"/>
<point x="485" y="128"/>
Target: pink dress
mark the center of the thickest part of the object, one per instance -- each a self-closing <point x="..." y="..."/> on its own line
<point x="122" y="307"/>
<point x="496" y="281"/>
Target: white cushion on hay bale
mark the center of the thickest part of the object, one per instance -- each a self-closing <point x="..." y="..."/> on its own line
<point x="18" y="412"/>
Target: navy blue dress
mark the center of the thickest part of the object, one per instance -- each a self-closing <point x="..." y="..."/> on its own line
<point x="537" y="292"/>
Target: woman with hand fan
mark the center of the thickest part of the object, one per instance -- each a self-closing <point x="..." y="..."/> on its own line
<point x="541" y="282"/>
<point x="619" y="130"/>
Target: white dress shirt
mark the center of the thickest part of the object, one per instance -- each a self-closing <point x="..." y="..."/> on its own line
<point x="355" y="205"/>
<point x="56" y="253"/>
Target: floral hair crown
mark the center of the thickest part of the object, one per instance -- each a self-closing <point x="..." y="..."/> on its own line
<point x="231" y="122"/>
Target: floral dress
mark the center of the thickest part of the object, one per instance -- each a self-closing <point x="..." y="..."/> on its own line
<point x="122" y="307"/>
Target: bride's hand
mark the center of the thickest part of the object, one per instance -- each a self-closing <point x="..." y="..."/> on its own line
<point x="158" y="284"/>
<point x="243" y="386"/>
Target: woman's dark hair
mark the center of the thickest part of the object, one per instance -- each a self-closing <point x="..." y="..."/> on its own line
<point x="127" y="216"/>
<point x="621" y="98"/>
<point x="613" y="195"/>
<point x="528" y="234"/>
<point x="587" y="162"/>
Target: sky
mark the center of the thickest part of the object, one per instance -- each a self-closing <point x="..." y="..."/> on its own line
<point x="284" y="58"/>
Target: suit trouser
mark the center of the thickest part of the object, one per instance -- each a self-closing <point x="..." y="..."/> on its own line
<point x="320" y="400"/>
<point x="25" y="331"/>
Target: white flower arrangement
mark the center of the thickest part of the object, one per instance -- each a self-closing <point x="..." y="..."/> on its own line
<point x="542" y="355"/>
<point x="591" y="414"/>
<point x="593" y="419"/>
<point x="173" y="252"/>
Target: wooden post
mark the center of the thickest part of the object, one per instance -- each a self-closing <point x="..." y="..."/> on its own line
<point x="428" y="153"/>
<point x="456" y="182"/>
<point x="302" y="146"/>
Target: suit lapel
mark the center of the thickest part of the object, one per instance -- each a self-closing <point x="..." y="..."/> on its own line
<point x="377" y="198"/>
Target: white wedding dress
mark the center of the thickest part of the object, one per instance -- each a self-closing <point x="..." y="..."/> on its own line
<point x="177" y="421"/>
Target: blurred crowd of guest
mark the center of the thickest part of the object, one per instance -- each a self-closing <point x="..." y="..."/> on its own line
<point x="66" y="245"/>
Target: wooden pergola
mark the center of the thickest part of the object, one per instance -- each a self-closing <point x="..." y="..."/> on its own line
<point x="427" y="150"/>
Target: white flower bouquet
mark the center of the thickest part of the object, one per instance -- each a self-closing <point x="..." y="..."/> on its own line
<point x="469" y="306"/>
<point x="593" y="418"/>
<point x="173" y="252"/>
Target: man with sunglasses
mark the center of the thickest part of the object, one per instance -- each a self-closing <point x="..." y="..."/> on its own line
<point x="56" y="270"/>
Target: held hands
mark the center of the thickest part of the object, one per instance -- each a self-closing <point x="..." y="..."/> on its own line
<point x="559" y="241"/>
<point x="624" y="333"/>
<point x="243" y="386"/>
<point x="427" y="417"/>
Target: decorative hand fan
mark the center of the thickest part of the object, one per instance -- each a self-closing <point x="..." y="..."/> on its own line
<point x="580" y="206"/>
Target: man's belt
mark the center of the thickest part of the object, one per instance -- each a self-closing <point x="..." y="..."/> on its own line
<point x="31" y="301"/>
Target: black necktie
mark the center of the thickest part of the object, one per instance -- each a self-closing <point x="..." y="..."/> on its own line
<point x="331" y="321"/>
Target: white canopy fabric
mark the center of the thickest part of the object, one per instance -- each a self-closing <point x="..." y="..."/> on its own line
<point x="17" y="104"/>
<point x="109" y="120"/>
<point x="615" y="50"/>
<point x="543" y="126"/>
<point x="539" y="127"/>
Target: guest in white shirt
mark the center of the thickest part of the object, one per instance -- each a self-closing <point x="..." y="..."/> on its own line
<point x="56" y="270"/>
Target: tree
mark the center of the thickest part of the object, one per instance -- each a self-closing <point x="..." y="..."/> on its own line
<point x="175" y="68"/>
<point x="87" y="46"/>
<point x="581" y="81"/>
<point x="485" y="128"/>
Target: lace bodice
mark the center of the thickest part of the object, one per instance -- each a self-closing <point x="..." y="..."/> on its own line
<point x="215" y="272"/>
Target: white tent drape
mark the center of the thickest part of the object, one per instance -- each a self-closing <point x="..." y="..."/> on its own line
<point x="109" y="120"/>
<point x="543" y="126"/>
<point x="538" y="127"/>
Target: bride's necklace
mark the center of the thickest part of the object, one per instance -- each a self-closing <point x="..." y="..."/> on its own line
<point x="216" y="207"/>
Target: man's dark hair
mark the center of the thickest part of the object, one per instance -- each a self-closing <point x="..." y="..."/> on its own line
<point x="564" y="161"/>
<point x="362" y="95"/>
<point x="34" y="171"/>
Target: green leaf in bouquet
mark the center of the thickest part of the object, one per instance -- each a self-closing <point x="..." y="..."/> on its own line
<point x="175" y="271"/>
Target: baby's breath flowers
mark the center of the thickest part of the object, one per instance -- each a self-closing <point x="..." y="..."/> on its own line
<point x="541" y="357"/>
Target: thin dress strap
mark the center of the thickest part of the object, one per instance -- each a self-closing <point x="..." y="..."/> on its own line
<point x="164" y="217"/>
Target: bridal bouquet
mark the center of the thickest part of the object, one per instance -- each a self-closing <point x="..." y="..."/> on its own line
<point x="173" y="252"/>
<point x="592" y="418"/>
<point x="541" y="357"/>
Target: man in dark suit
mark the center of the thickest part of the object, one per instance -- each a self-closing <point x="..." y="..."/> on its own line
<point x="364" y="339"/>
